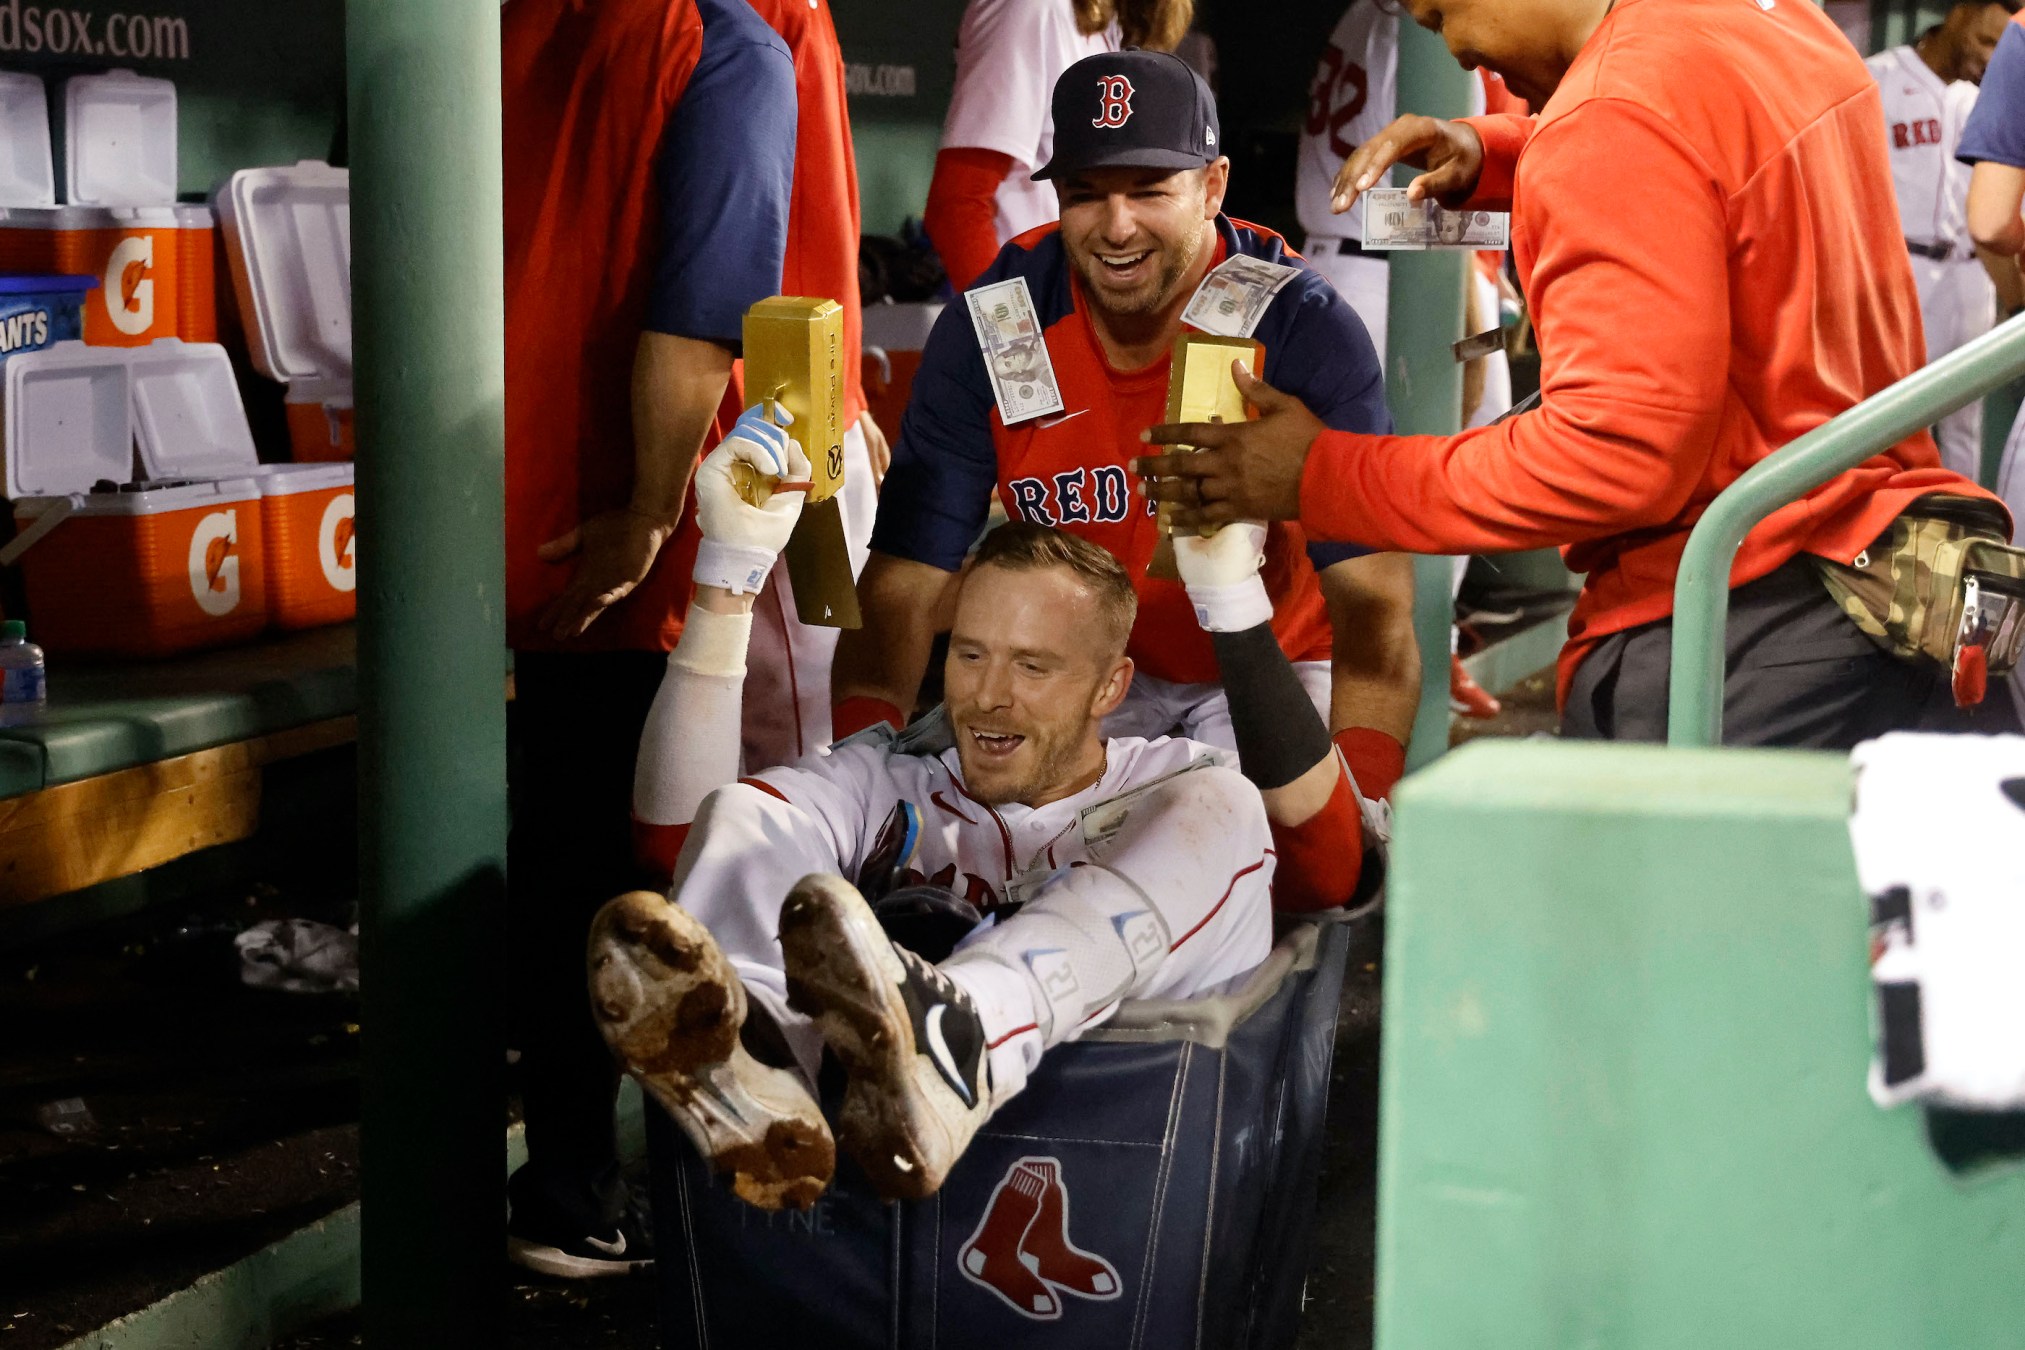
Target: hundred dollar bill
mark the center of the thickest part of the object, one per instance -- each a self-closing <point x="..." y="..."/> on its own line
<point x="1233" y="297"/>
<point x="1015" y="350"/>
<point x="1391" y="221"/>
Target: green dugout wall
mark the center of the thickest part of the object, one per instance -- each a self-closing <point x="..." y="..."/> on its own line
<point x="1626" y="1032"/>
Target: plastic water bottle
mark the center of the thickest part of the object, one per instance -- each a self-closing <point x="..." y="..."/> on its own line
<point x="24" y="686"/>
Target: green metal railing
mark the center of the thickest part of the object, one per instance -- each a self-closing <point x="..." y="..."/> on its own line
<point x="1701" y="594"/>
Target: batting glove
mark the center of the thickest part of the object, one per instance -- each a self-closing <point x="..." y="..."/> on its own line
<point x="1221" y="574"/>
<point x="740" y="540"/>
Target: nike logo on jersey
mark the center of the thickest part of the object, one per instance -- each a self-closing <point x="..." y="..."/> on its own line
<point x="615" y="1248"/>
<point x="945" y="1060"/>
<point x="1049" y="423"/>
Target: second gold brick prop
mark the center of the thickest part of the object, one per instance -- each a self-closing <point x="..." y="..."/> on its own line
<point x="1201" y="388"/>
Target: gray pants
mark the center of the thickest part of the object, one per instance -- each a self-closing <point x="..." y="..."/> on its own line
<point x="1798" y="673"/>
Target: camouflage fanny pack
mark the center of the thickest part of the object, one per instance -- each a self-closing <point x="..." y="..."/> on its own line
<point x="1942" y="588"/>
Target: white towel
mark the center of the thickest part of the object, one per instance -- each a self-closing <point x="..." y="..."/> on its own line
<point x="1939" y="832"/>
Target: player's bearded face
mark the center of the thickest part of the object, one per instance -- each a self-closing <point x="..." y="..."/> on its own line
<point x="1031" y="671"/>
<point x="1134" y="235"/>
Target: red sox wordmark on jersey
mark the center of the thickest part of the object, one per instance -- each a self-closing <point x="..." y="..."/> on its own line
<point x="1906" y="135"/>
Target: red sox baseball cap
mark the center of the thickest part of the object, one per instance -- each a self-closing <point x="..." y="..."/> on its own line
<point x="1132" y="109"/>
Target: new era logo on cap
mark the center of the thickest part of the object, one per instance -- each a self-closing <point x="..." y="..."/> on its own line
<point x="1131" y="109"/>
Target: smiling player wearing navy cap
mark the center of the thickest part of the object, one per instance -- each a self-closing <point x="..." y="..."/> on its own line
<point x="1040" y="398"/>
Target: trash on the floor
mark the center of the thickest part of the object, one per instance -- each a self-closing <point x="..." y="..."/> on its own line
<point x="66" y="1119"/>
<point x="299" y="956"/>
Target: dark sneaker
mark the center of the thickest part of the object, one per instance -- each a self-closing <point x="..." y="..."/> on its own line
<point x="909" y="1038"/>
<point x="538" y="1242"/>
<point x="674" y="1011"/>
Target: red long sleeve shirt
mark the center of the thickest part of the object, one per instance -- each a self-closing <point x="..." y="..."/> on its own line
<point x="1703" y="221"/>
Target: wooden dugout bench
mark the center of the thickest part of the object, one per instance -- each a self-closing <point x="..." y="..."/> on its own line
<point x="132" y="766"/>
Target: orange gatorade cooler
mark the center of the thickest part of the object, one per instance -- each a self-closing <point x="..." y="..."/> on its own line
<point x="320" y="420"/>
<point x="197" y="274"/>
<point x="113" y="567"/>
<point x="27" y="170"/>
<point x="306" y="513"/>
<point x="135" y="252"/>
<point x="287" y="237"/>
<point x="190" y="424"/>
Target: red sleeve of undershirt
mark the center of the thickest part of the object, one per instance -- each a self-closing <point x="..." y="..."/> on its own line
<point x="656" y="847"/>
<point x="962" y="213"/>
<point x="1629" y="235"/>
<point x="1320" y="859"/>
<point x="1377" y="761"/>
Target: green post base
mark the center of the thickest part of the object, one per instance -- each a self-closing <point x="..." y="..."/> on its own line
<point x="1626" y="1035"/>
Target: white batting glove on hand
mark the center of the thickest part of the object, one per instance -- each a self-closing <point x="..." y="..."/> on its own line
<point x="1222" y="576"/>
<point x="740" y="540"/>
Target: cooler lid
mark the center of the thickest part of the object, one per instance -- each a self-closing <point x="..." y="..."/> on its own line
<point x="282" y="480"/>
<point x="27" y="173"/>
<point x="290" y="232"/>
<point x="69" y="420"/>
<point x="119" y="140"/>
<point x="187" y="414"/>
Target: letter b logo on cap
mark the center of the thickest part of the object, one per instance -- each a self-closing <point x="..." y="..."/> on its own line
<point x="1116" y="91"/>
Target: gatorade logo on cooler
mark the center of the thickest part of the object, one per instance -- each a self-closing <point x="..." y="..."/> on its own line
<point x="129" y="289"/>
<point x="214" y="563"/>
<point x="334" y="544"/>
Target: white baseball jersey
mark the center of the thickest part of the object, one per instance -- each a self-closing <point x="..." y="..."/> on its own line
<point x="1180" y="857"/>
<point x="1351" y="99"/>
<point x="1008" y="56"/>
<point x="1355" y="94"/>
<point x="1923" y="117"/>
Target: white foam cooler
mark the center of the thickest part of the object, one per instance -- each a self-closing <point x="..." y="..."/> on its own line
<point x="191" y="424"/>
<point x="27" y="169"/>
<point x="119" y="140"/>
<point x="142" y="571"/>
<point x="288" y="244"/>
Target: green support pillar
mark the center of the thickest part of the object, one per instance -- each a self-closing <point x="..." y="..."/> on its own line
<point x="1424" y="317"/>
<point x="2000" y="409"/>
<point x="428" y="317"/>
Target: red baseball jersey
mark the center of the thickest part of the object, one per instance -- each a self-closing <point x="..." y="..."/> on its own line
<point x="649" y="150"/>
<point x="1072" y="469"/>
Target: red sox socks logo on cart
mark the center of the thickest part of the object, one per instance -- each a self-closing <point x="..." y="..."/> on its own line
<point x="1021" y="1249"/>
<point x="1116" y="91"/>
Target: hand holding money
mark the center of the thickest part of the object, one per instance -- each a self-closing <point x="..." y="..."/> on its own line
<point x="1450" y="152"/>
<point x="1242" y="470"/>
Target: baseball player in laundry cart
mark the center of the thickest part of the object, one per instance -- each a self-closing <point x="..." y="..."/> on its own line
<point x="1143" y="253"/>
<point x="1106" y="869"/>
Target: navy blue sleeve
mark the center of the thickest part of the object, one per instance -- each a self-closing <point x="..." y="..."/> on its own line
<point x="1996" y="126"/>
<point x="937" y="493"/>
<point x="726" y="169"/>
<point x="1318" y="351"/>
